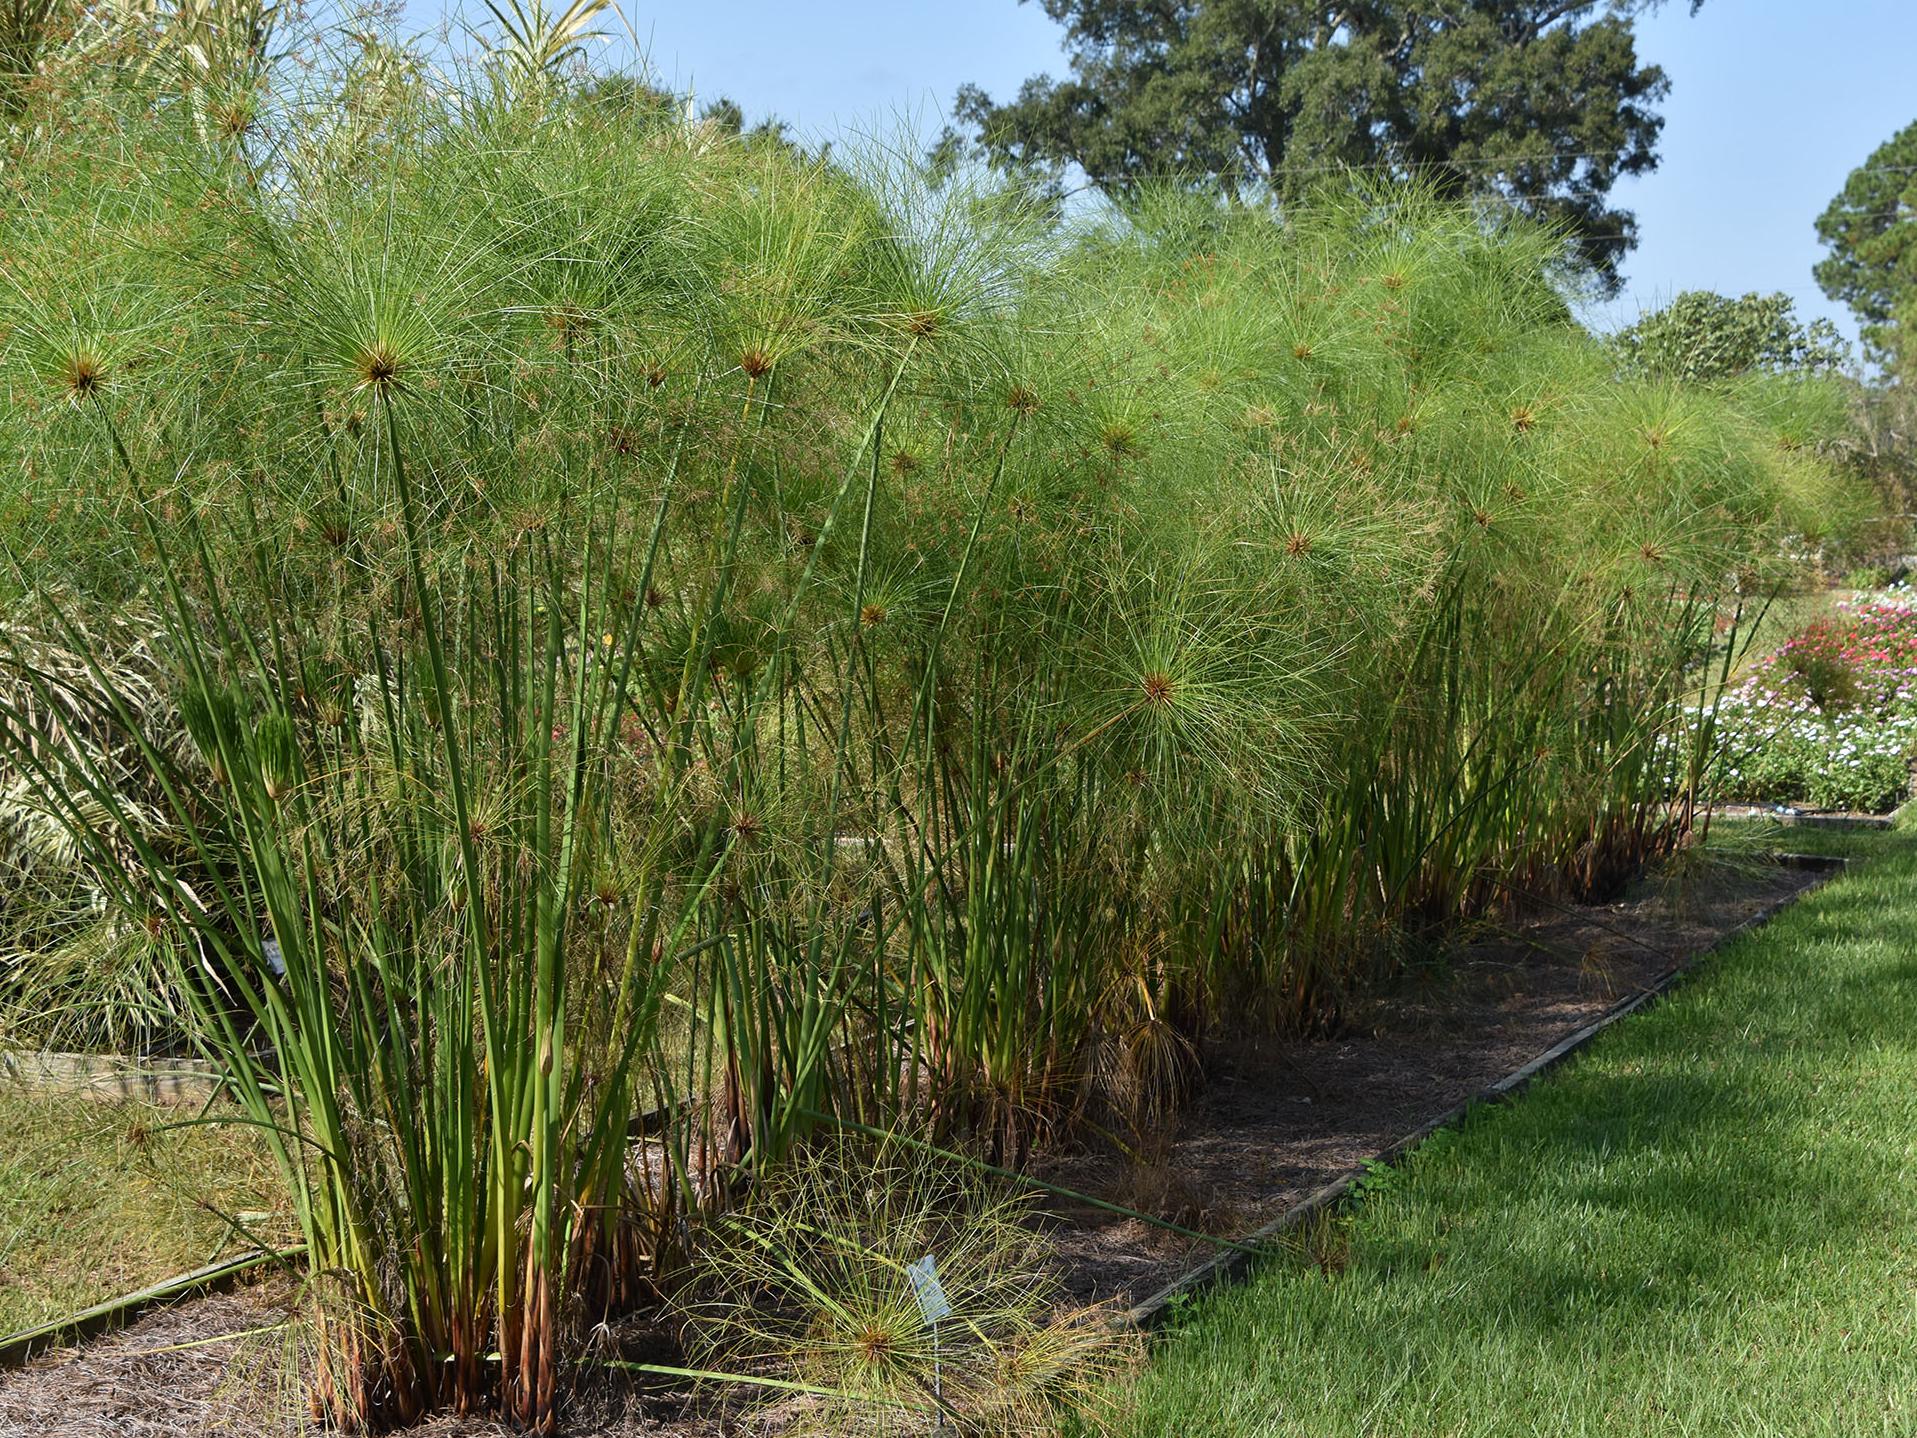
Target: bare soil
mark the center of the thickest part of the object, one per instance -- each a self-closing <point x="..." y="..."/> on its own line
<point x="1277" y="1120"/>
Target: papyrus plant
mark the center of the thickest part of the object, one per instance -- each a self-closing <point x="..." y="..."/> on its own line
<point x="383" y="878"/>
<point x="810" y="1277"/>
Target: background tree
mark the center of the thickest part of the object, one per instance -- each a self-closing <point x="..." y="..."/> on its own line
<point x="1702" y="337"/>
<point x="1541" y="101"/>
<point x="1870" y="230"/>
<point x="728" y="116"/>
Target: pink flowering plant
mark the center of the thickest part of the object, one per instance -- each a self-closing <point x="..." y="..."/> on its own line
<point x="1863" y="657"/>
<point x="1829" y="720"/>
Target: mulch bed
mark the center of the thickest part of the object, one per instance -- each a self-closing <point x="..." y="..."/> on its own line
<point x="1277" y="1120"/>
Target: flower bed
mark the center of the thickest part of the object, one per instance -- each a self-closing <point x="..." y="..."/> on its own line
<point x="1829" y="720"/>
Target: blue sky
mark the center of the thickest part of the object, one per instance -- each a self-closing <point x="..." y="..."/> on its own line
<point x="1772" y="103"/>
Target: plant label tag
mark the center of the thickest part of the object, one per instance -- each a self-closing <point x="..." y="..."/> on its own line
<point x="925" y="1287"/>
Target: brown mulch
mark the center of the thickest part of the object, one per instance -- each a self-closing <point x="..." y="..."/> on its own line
<point x="205" y="1368"/>
<point x="1276" y="1121"/>
<point x="1280" y="1119"/>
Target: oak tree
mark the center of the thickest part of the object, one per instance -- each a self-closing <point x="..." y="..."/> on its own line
<point x="1543" y="102"/>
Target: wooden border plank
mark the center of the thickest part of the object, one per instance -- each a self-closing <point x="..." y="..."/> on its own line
<point x="110" y="1076"/>
<point x="17" y="1348"/>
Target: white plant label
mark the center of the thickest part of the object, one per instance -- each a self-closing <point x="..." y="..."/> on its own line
<point x="924" y="1275"/>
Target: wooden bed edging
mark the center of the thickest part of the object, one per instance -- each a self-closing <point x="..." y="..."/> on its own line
<point x="1230" y="1264"/>
<point x="110" y="1076"/>
<point x="17" y="1348"/>
<point x="1740" y="813"/>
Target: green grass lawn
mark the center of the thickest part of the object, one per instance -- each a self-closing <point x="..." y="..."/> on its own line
<point x="98" y="1199"/>
<point x="1704" y="1225"/>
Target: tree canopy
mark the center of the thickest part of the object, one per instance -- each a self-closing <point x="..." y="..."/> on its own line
<point x="1702" y="337"/>
<point x="1870" y="229"/>
<point x="1543" y="102"/>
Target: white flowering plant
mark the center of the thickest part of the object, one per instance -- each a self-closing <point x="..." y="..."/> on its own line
<point x="1828" y="720"/>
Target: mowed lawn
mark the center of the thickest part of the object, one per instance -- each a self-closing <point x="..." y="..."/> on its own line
<point x="98" y="1199"/>
<point x="1706" y="1224"/>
